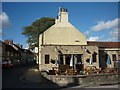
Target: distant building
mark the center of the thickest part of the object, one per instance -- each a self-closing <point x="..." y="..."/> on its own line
<point x="36" y="55"/>
<point x="27" y="56"/>
<point x="64" y="45"/>
<point x="15" y="53"/>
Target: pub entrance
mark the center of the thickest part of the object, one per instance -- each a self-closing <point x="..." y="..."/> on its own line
<point x="71" y="61"/>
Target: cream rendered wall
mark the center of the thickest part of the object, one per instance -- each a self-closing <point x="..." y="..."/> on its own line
<point x="64" y="34"/>
<point x="63" y="16"/>
<point x="39" y="51"/>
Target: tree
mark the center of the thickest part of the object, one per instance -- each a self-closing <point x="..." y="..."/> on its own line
<point x="37" y="27"/>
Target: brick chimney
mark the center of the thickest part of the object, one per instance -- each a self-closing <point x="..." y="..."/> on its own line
<point x="6" y="42"/>
<point x="57" y="19"/>
<point x="20" y="46"/>
<point x="9" y="42"/>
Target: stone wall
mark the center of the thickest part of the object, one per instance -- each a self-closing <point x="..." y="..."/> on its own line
<point x="110" y="52"/>
<point x="52" y="51"/>
<point x="98" y="79"/>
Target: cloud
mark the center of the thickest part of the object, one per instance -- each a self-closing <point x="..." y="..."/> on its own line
<point x="94" y="38"/>
<point x="102" y="25"/>
<point x="5" y="20"/>
<point x="87" y="32"/>
<point x="115" y="35"/>
<point x="0" y="32"/>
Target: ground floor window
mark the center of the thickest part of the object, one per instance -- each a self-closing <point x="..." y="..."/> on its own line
<point x="94" y="57"/>
<point x="46" y="59"/>
<point x="67" y="59"/>
<point x="114" y="57"/>
<point x="106" y="56"/>
<point x="72" y="60"/>
<point x="61" y="59"/>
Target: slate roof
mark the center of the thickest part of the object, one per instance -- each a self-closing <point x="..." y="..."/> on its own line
<point x="104" y="44"/>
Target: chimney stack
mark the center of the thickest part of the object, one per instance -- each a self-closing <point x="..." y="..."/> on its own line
<point x="57" y="19"/>
<point x="6" y="42"/>
<point x="62" y="16"/>
<point x="21" y="46"/>
<point x="9" y="42"/>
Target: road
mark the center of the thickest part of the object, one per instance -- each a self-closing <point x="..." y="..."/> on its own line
<point x="11" y="79"/>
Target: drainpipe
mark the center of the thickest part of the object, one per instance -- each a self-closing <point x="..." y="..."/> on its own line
<point x="38" y="51"/>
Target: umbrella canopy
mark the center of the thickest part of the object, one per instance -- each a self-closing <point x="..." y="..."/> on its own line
<point x="56" y="62"/>
<point x="91" y="60"/>
<point x="108" y="60"/>
<point x="71" y="61"/>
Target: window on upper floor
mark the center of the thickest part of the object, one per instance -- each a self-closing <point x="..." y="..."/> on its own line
<point x="11" y="53"/>
<point x="8" y="53"/>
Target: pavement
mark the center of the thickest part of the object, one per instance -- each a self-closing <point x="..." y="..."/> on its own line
<point x="33" y="76"/>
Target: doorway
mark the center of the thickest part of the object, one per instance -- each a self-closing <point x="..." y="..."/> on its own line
<point x="73" y="61"/>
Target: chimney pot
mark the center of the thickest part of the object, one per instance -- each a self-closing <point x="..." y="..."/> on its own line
<point x="6" y="42"/>
<point x="57" y="17"/>
<point x="60" y="9"/>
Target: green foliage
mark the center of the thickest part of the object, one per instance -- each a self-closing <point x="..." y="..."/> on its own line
<point x="37" y="27"/>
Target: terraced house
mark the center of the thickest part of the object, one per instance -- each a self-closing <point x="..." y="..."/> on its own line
<point x="15" y="53"/>
<point x="64" y="46"/>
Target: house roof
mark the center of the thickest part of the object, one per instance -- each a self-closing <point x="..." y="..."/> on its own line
<point x="104" y="44"/>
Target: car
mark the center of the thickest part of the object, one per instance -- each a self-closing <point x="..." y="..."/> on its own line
<point x="7" y="64"/>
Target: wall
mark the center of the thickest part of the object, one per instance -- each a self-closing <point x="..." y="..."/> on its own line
<point x="64" y="80"/>
<point x="63" y="33"/>
<point x="110" y="52"/>
<point x="53" y="52"/>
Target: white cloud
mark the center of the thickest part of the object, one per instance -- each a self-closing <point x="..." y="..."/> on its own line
<point x="87" y="32"/>
<point x="94" y="38"/>
<point x="5" y="20"/>
<point x="115" y="35"/>
<point x="0" y="32"/>
<point x="102" y="25"/>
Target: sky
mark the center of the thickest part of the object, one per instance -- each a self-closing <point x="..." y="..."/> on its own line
<point x="97" y="20"/>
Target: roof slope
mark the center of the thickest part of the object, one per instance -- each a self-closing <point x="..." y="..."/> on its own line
<point x="104" y="44"/>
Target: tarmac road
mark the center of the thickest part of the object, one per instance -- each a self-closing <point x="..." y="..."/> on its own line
<point x="11" y="79"/>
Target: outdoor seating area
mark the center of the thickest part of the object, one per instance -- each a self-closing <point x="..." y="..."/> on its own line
<point x="66" y="70"/>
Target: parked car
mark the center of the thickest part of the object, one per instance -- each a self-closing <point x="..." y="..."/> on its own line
<point x="7" y="64"/>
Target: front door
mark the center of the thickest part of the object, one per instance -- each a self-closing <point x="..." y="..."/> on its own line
<point x="65" y="59"/>
<point x="78" y="62"/>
